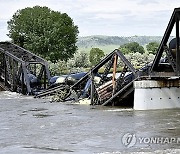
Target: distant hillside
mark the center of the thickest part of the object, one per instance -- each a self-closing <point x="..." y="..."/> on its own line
<point x="109" y="43"/>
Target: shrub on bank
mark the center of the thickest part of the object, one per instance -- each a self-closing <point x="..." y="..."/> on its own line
<point x="80" y="63"/>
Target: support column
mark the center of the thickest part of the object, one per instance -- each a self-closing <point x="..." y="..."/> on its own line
<point x="156" y="94"/>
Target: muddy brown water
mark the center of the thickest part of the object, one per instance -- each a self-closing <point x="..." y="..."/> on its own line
<point x="32" y="126"/>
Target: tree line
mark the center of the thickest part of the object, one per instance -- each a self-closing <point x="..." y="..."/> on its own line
<point x="130" y="50"/>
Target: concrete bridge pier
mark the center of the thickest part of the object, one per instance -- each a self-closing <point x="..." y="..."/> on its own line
<point x="156" y="94"/>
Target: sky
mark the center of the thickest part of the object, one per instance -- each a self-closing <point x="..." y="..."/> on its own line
<point x="102" y="17"/>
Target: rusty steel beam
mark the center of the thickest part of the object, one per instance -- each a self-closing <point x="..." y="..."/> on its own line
<point x="114" y="72"/>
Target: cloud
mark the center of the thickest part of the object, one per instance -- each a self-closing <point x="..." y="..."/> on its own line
<point x="104" y="17"/>
<point x="146" y="2"/>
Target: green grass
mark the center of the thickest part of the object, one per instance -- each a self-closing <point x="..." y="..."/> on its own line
<point x="107" y="49"/>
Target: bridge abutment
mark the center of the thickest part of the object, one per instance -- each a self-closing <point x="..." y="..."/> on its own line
<point x="156" y="94"/>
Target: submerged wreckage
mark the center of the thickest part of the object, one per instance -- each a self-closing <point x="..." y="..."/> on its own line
<point x="100" y="88"/>
<point x="150" y="87"/>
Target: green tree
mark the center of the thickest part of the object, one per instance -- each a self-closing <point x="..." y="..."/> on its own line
<point x="152" y="47"/>
<point x="132" y="47"/>
<point x="48" y="33"/>
<point x="96" y="55"/>
<point x="80" y="59"/>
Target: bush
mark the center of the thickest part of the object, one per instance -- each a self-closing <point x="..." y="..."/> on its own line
<point x="80" y="59"/>
<point x="138" y="60"/>
<point x="132" y="47"/>
<point x="95" y="56"/>
<point x="58" y="68"/>
<point x="152" y="47"/>
<point x="80" y="64"/>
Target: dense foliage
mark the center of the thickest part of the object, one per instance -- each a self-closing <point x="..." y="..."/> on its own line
<point x="132" y="47"/>
<point x="138" y="60"/>
<point x="96" y="55"/>
<point x="80" y="62"/>
<point x="48" y="33"/>
<point x="152" y="47"/>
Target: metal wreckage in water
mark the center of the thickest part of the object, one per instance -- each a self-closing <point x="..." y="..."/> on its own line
<point x="27" y="73"/>
<point x="101" y="89"/>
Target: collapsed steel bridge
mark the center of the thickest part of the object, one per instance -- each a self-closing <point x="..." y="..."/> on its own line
<point x="100" y="92"/>
<point x="112" y="90"/>
<point x="109" y="90"/>
<point x="19" y="69"/>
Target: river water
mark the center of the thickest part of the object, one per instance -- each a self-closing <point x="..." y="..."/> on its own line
<point x="32" y="126"/>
